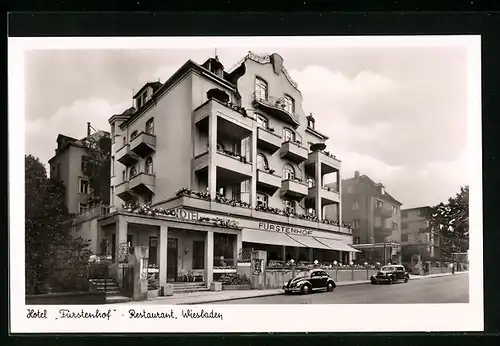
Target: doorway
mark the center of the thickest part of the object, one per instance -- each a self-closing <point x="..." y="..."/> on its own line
<point x="172" y="259"/>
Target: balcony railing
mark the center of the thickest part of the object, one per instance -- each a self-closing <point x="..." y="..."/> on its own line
<point x="268" y="140"/>
<point x="126" y="156"/>
<point x="143" y="144"/>
<point x="293" y="151"/>
<point x="277" y="107"/>
<point x="142" y="183"/>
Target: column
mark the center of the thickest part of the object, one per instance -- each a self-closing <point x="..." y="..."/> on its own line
<point x="339" y="209"/>
<point x="212" y="152"/>
<point x="296" y="259"/>
<point x="350" y="256"/>
<point x="311" y="254"/>
<point x="283" y="253"/>
<point x="237" y="248"/>
<point x="253" y="180"/>
<point x="319" y="187"/>
<point x="121" y="235"/>
<point x="162" y="257"/>
<point x="340" y="257"/>
<point x="209" y="257"/>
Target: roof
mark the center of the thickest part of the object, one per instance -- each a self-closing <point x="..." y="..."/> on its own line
<point x="416" y="208"/>
<point x="154" y="85"/>
<point x="77" y="142"/>
<point x="181" y="72"/>
<point x="374" y="190"/>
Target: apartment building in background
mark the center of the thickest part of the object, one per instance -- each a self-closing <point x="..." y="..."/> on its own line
<point x="375" y="216"/>
<point x="67" y="166"/>
<point x="416" y="236"/>
<point x="231" y="163"/>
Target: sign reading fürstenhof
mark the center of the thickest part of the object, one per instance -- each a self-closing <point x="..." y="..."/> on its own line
<point x="284" y="229"/>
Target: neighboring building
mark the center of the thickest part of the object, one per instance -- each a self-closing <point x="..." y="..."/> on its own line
<point x="238" y="143"/>
<point x="67" y="166"/>
<point x="374" y="215"/>
<point x="416" y="237"/>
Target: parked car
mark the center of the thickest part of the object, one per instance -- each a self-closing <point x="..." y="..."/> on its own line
<point x="307" y="281"/>
<point x="390" y="274"/>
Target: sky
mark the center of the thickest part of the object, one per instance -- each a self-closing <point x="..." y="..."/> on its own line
<point x="396" y="114"/>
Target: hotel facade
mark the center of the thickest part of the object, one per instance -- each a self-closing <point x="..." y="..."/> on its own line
<point x="212" y="164"/>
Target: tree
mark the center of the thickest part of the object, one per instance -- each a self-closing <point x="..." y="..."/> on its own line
<point x="46" y="237"/>
<point x="98" y="167"/>
<point x="450" y="222"/>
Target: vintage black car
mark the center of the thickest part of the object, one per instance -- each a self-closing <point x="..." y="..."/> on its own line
<point x="307" y="281"/>
<point x="390" y="274"/>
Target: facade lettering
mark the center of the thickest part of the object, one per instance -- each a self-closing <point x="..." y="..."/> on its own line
<point x="284" y="229"/>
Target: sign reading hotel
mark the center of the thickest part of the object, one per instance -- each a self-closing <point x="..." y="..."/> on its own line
<point x="284" y="229"/>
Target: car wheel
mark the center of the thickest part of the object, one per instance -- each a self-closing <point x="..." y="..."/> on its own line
<point x="305" y="289"/>
<point x="406" y="280"/>
<point x="329" y="287"/>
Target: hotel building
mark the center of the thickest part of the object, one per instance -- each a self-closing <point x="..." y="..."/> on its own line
<point x="228" y="162"/>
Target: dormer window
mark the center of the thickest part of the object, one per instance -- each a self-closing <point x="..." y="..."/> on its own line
<point x="382" y="190"/>
<point x="150" y="126"/>
<point x="310" y="121"/>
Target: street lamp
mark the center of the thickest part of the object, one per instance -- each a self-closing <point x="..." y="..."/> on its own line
<point x="334" y="262"/>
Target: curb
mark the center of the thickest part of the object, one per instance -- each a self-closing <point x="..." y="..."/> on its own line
<point x="261" y="295"/>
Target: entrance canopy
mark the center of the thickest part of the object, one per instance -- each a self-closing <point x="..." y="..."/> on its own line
<point x="309" y="242"/>
<point x="336" y="245"/>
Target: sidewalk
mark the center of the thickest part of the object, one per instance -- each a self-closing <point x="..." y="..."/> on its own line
<point x="212" y="297"/>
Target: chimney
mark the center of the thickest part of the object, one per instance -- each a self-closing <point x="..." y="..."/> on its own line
<point x="88" y="129"/>
<point x="356" y="174"/>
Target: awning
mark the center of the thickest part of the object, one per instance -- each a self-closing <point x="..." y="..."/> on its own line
<point x="336" y="245"/>
<point x="309" y="242"/>
<point x="271" y="238"/>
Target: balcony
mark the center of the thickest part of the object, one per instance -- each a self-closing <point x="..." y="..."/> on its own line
<point x="123" y="192"/>
<point x="293" y="152"/>
<point x="268" y="140"/>
<point x="293" y="189"/>
<point x="233" y="164"/>
<point x="227" y="111"/>
<point x="275" y="106"/>
<point x="327" y="196"/>
<point x="143" y="144"/>
<point x="385" y="213"/>
<point x="142" y="183"/>
<point x="126" y="156"/>
<point x="268" y="181"/>
<point x="329" y="163"/>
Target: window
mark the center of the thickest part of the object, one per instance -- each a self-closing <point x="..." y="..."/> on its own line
<point x="404" y="237"/>
<point x="394" y="226"/>
<point x="404" y="225"/>
<point x="262" y="121"/>
<point x="113" y="133"/>
<point x="355" y="205"/>
<point x="84" y="186"/>
<point x="112" y="195"/>
<point x="262" y="162"/>
<point x="310" y="182"/>
<point x="262" y="200"/>
<point x="150" y="126"/>
<point x="288" y="135"/>
<point x="153" y="253"/>
<point x="149" y="165"/>
<point x="378" y="203"/>
<point x="289" y="205"/>
<point x="139" y="102"/>
<point x="224" y="249"/>
<point x="404" y="214"/>
<point x="236" y="192"/>
<point x="394" y="210"/>
<point x="357" y="240"/>
<point x="133" y="171"/>
<point x="130" y="239"/>
<point x="289" y="104"/>
<point x="145" y="97"/>
<point x="82" y="208"/>
<point x="355" y="223"/>
<point x="124" y="175"/>
<point x="260" y="89"/>
<point x="288" y="172"/>
<point x="133" y="135"/>
<point x="198" y="254"/>
<point x="112" y="166"/>
<point x="382" y="190"/>
<point x="84" y="163"/>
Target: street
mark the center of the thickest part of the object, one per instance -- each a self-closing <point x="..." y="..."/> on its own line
<point x="438" y="290"/>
